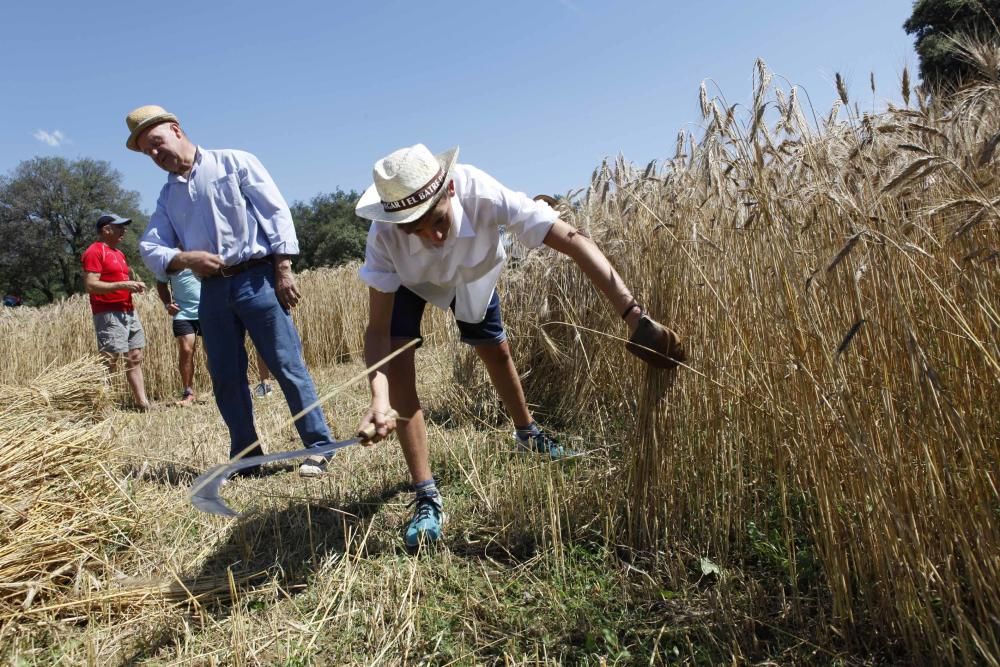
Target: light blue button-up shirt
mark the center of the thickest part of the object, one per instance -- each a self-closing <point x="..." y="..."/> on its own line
<point x="228" y="205"/>
<point x="185" y="288"/>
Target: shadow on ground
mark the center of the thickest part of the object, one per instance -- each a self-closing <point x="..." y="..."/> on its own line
<point x="177" y="474"/>
<point x="284" y="545"/>
<point x="173" y="474"/>
<point x="295" y="539"/>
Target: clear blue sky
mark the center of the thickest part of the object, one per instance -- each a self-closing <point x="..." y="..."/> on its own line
<point x="536" y="93"/>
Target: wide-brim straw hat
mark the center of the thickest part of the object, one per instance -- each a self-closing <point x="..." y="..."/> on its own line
<point x="141" y="119"/>
<point x="407" y="184"/>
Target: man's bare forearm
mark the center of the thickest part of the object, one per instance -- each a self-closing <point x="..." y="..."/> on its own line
<point x="377" y="348"/>
<point x="164" y="292"/>
<point x="102" y="287"/>
<point x="92" y="284"/>
<point x="201" y="262"/>
<point x="283" y="262"/>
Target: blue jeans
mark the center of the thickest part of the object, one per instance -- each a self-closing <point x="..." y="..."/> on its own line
<point x="247" y="303"/>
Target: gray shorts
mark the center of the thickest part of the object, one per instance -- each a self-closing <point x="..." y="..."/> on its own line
<point x="117" y="333"/>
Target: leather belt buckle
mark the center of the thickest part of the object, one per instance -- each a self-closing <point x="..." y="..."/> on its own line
<point x="230" y="271"/>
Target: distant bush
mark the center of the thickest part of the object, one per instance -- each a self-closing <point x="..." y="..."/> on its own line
<point x="329" y="232"/>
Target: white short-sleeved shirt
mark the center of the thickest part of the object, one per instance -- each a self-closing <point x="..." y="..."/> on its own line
<point x="466" y="268"/>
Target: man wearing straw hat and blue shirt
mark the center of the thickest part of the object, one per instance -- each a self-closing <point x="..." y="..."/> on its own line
<point x="435" y="238"/>
<point x="224" y="209"/>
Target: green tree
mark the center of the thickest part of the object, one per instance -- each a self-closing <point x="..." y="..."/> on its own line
<point x="329" y="232"/>
<point x="48" y="207"/>
<point x="936" y="23"/>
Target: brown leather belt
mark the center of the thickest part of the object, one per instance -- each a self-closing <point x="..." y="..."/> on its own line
<point x="230" y="271"/>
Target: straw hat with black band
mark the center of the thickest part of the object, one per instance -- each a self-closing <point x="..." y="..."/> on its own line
<point x="407" y="184"/>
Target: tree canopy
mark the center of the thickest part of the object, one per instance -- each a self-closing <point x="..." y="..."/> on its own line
<point x="936" y="23"/>
<point x="48" y="207"/>
<point x="329" y="232"/>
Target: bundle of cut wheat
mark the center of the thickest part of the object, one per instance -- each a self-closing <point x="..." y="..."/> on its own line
<point x="61" y="510"/>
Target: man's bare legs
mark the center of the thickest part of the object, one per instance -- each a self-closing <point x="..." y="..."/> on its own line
<point x="503" y="374"/>
<point x="133" y="374"/>
<point x="411" y="429"/>
<point x="263" y="388"/>
<point x="185" y="364"/>
<point x="111" y="361"/>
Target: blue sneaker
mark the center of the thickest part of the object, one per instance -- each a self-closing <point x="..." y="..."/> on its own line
<point x="543" y="443"/>
<point x="425" y="526"/>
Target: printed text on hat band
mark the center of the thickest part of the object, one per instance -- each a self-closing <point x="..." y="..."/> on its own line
<point x="418" y="197"/>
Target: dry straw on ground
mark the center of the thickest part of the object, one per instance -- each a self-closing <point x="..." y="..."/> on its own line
<point x="61" y="508"/>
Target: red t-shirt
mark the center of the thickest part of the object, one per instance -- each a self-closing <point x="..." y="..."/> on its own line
<point x="111" y="265"/>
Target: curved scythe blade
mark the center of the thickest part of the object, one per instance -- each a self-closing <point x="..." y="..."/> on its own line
<point x="205" y="489"/>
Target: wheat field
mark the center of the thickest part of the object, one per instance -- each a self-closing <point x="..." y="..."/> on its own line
<point x="817" y="484"/>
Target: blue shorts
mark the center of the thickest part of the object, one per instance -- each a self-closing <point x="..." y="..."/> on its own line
<point x="186" y="328"/>
<point x="408" y="311"/>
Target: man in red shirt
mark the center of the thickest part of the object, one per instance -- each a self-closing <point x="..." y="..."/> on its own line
<point x="111" y="283"/>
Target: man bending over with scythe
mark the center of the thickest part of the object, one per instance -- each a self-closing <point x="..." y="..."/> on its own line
<point x="435" y="238"/>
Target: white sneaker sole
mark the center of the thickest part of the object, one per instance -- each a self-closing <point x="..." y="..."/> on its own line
<point x="314" y="466"/>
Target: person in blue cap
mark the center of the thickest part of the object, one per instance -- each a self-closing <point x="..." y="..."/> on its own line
<point x="110" y="282"/>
